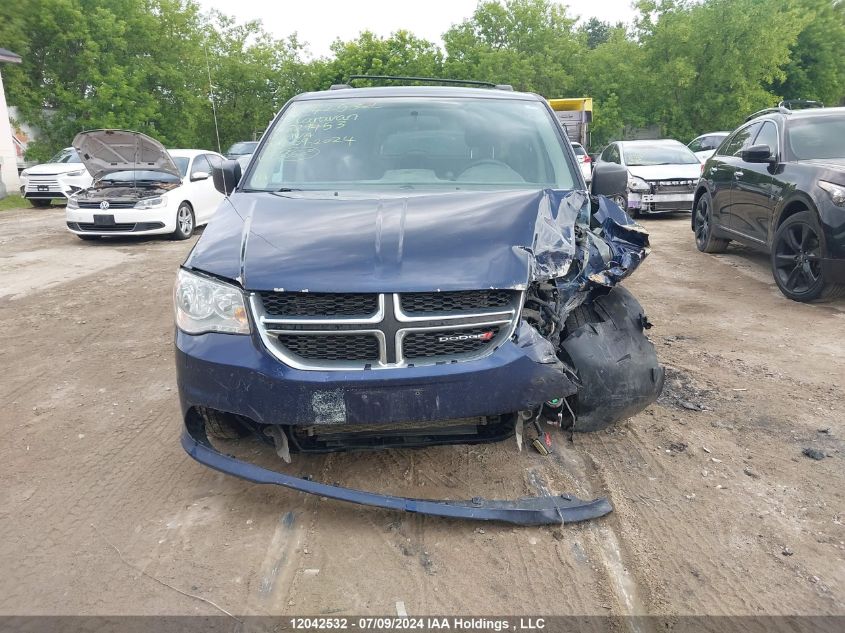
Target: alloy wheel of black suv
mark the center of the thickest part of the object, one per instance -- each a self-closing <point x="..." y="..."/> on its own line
<point x="797" y="258"/>
<point x="777" y="183"/>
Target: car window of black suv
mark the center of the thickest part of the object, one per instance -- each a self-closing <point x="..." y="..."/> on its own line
<point x="740" y="140"/>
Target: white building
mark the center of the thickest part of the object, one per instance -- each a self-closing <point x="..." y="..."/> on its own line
<point x="8" y="158"/>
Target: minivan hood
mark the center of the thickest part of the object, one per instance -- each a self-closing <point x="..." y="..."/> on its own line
<point x="322" y="242"/>
<point x="108" y="151"/>
<point x="666" y="172"/>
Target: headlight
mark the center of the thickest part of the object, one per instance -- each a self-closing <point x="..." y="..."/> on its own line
<point x="78" y="172"/>
<point x="204" y="305"/>
<point x="24" y="173"/>
<point x="638" y="184"/>
<point x="72" y="203"/>
<point x="152" y="203"/>
<point x="837" y="192"/>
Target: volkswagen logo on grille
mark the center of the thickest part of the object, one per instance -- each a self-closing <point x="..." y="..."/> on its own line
<point x="104" y="204"/>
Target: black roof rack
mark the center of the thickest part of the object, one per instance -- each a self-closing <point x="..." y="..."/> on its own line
<point x="429" y="80"/>
<point x="799" y="104"/>
<point x="786" y="107"/>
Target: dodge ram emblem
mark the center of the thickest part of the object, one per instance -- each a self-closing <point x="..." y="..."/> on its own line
<point x="104" y="204"/>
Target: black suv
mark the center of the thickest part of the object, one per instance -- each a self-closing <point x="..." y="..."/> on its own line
<point x="778" y="183"/>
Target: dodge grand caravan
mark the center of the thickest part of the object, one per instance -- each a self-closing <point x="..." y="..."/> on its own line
<point x="407" y="266"/>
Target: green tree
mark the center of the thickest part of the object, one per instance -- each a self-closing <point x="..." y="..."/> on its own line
<point x="596" y="31"/>
<point x="252" y="75"/>
<point x="815" y="69"/>
<point x="707" y="65"/>
<point x="530" y="44"/>
<point x="399" y="54"/>
<point x="96" y="63"/>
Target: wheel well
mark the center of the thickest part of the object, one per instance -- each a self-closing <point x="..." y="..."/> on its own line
<point x="791" y="208"/>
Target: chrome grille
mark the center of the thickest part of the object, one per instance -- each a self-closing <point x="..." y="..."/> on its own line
<point x="341" y="331"/>
<point x="446" y="343"/>
<point x="332" y="347"/>
<point x="465" y="301"/>
<point x="42" y="184"/>
<point x="317" y="304"/>
<point x="130" y="204"/>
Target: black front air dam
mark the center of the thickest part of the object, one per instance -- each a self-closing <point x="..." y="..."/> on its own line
<point x="552" y="510"/>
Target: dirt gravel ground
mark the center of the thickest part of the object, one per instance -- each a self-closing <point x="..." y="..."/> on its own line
<point x="717" y="511"/>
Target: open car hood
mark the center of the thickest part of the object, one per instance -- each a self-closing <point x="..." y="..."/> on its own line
<point x="107" y="151"/>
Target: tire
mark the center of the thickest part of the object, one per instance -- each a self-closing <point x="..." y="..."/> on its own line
<point x="702" y="226"/>
<point x="88" y="238"/>
<point x="185" y="222"/>
<point x="796" y="258"/>
<point x="222" y="426"/>
<point x="40" y="203"/>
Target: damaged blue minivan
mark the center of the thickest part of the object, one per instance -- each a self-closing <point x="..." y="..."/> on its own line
<point x="410" y="266"/>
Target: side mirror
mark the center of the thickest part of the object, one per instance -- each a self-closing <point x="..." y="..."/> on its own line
<point x="226" y="176"/>
<point x="609" y="179"/>
<point x="758" y="154"/>
<point x="200" y="175"/>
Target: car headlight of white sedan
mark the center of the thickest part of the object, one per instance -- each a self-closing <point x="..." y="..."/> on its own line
<point x="152" y="203"/>
<point x="204" y="304"/>
<point x="636" y="183"/>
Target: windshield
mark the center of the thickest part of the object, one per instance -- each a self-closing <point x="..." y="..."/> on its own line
<point x="181" y="164"/>
<point x="129" y="176"/>
<point x="245" y="147"/>
<point x="412" y="142"/>
<point x="645" y="155"/>
<point x="817" y="137"/>
<point x="68" y="155"/>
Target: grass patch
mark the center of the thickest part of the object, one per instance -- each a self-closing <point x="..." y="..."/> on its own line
<point x="13" y="201"/>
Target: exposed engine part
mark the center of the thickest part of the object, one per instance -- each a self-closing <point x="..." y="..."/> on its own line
<point x="541" y="310"/>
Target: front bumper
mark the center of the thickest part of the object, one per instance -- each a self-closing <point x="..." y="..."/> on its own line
<point x="659" y="202"/>
<point x="49" y="187"/>
<point x="121" y="221"/>
<point x="547" y="510"/>
<point x="235" y="374"/>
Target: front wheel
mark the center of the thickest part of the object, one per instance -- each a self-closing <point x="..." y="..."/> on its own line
<point x="797" y="260"/>
<point x="702" y="224"/>
<point x="184" y="222"/>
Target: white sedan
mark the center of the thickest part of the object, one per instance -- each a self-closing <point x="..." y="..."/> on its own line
<point x="60" y="177"/>
<point x="662" y="174"/>
<point x="140" y="188"/>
